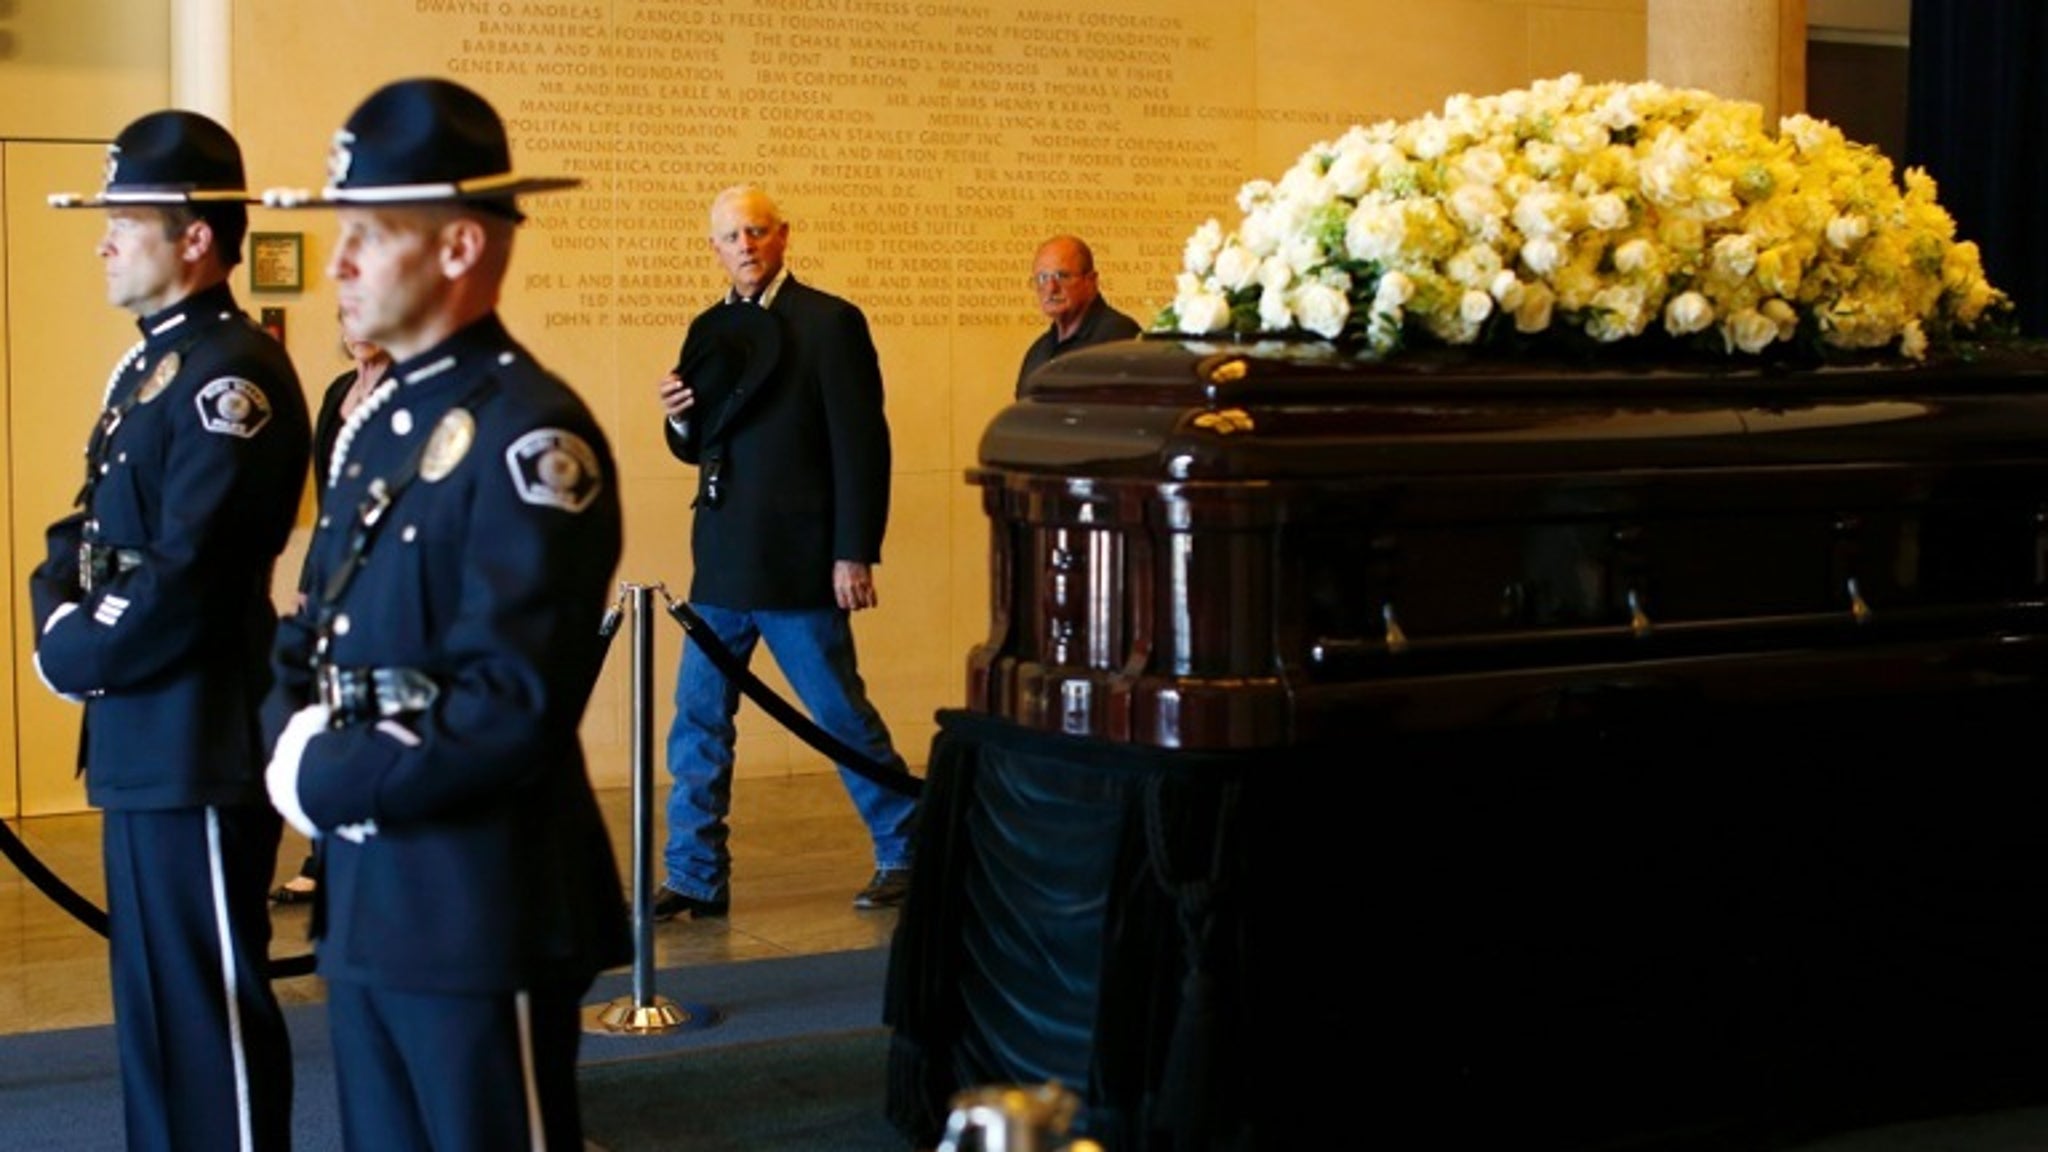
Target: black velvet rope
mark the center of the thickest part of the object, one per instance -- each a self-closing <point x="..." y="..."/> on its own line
<point x="281" y="967"/>
<point x="91" y="915"/>
<point x="785" y="713"/>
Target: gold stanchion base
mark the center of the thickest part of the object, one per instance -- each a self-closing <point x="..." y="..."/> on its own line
<point x="629" y="1016"/>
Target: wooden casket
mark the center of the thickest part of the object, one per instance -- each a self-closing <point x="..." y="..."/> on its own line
<point x="1495" y="753"/>
<point x="1229" y="546"/>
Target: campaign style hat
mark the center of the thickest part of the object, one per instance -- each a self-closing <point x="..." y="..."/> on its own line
<point x="171" y="157"/>
<point x="421" y="141"/>
<point x="728" y="353"/>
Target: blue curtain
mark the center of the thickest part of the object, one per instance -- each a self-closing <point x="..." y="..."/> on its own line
<point x="1977" y="116"/>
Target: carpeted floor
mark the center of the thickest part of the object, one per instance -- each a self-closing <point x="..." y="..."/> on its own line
<point x="818" y="1093"/>
<point x="784" y="1054"/>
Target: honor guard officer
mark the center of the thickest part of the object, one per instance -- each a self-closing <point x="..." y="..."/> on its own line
<point x="431" y="689"/>
<point x="153" y="607"/>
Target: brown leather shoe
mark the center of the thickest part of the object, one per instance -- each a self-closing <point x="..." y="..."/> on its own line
<point x="669" y="904"/>
<point x="886" y="890"/>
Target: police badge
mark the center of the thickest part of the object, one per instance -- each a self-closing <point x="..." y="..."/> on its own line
<point x="448" y="445"/>
<point x="166" y="371"/>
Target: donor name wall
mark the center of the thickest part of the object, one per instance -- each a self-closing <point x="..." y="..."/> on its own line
<point x="922" y="148"/>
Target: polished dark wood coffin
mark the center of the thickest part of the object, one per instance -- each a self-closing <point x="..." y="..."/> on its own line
<point x="1609" y="757"/>
<point x="1222" y="545"/>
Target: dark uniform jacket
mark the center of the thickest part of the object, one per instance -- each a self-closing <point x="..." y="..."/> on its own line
<point x="489" y="572"/>
<point x="194" y="493"/>
<point x="803" y="464"/>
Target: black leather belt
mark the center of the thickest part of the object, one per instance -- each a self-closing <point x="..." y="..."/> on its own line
<point x="353" y="695"/>
<point x="99" y="563"/>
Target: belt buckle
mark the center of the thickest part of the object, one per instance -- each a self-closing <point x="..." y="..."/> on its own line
<point x="341" y="692"/>
<point x="401" y="691"/>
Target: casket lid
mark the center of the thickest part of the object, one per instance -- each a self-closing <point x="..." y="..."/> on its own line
<point x="1178" y="408"/>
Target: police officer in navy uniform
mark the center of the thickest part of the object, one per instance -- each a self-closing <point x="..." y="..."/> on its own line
<point x="154" y="608"/>
<point x="431" y="689"/>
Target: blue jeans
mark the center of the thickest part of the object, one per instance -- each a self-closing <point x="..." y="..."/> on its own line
<point x="814" y="649"/>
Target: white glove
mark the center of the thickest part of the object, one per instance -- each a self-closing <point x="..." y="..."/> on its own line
<point x="63" y="610"/>
<point x="281" y="778"/>
<point x="357" y="833"/>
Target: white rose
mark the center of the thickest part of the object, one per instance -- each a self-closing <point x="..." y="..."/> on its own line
<point x="1635" y="255"/>
<point x="1200" y="309"/>
<point x="1607" y="212"/>
<point x="1474" y="265"/>
<point x="1202" y="248"/>
<point x="1735" y="255"/>
<point x="1395" y="289"/>
<point x="1261" y="230"/>
<point x="1666" y="173"/>
<point x="1582" y="136"/>
<point x="1748" y="330"/>
<point x="1480" y="166"/>
<point x="1274" y="314"/>
<point x="1507" y="289"/>
<point x="1474" y="307"/>
<point x="1543" y="157"/>
<point x="1350" y="173"/>
<point x="1275" y="273"/>
<point x="1687" y="313"/>
<point x="1300" y="254"/>
<point x="1383" y="330"/>
<point x="1235" y="267"/>
<point x="1374" y="231"/>
<point x="1542" y="213"/>
<point x="1618" y="311"/>
<point x="1322" y="310"/>
<point x="1253" y="193"/>
<point x="1478" y="209"/>
<point x="1542" y="256"/>
<point x="1430" y="139"/>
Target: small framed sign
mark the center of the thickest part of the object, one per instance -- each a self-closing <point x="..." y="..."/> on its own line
<point x="277" y="261"/>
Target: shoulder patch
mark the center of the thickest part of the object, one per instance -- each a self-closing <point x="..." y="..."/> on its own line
<point x="554" y="468"/>
<point x="233" y="406"/>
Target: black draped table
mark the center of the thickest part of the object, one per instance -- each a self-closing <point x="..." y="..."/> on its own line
<point x="1483" y="757"/>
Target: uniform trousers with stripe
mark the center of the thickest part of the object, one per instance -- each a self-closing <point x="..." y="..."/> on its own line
<point x="456" y="1072"/>
<point x="205" y="1062"/>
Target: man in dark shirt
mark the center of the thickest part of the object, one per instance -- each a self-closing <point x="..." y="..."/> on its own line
<point x="1063" y="276"/>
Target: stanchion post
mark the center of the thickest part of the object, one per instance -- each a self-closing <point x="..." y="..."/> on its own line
<point x="645" y="1012"/>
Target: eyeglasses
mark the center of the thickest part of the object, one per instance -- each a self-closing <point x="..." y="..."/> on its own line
<point x="1056" y="276"/>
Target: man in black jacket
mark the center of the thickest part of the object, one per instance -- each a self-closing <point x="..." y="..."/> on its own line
<point x="792" y="500"/>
